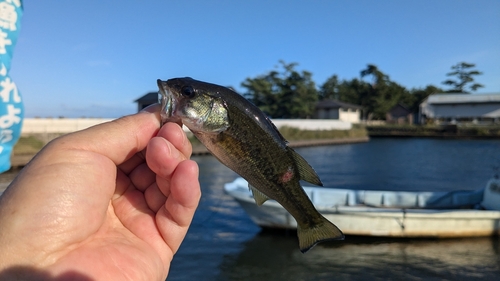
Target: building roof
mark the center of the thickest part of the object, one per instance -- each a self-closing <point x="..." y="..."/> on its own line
<point x="151" y="97"/>
<point x="336" y="104"/>
<point x="442" y="98"/>
<point x="399" y="110"/>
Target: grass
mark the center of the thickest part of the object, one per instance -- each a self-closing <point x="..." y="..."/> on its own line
<point x="295" y="134"/>
<point x="32" y="144"/>
<point x="436" y="130"/>
<point x="28" y="145"/>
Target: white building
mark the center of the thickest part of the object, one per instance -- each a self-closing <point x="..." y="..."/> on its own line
<point x="461" y="108"/>
<point x="334" y="109"/>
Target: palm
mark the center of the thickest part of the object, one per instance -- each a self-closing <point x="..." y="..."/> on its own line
<point x="116" y="240"/>
<point x="124" y="222"/>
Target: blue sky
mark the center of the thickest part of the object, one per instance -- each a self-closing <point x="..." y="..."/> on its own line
<point x="93" y="58"/>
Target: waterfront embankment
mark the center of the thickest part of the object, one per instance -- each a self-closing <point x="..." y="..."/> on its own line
<point x="19" y="160"/>
<point x="199" y="149"/>
<point x="307" y="132"/>
<point x="469" y="131"/>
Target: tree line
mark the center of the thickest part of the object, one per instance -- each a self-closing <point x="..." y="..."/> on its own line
<point x="289" y="93"/>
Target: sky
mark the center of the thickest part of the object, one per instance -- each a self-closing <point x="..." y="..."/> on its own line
<point x="94" y="58"/>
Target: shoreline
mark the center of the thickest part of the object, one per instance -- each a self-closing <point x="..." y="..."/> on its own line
<point x="441" y="132"/>
<point x="437" y="136"/>
<point x="19" y="161"/>
<point x="201" y="150"/>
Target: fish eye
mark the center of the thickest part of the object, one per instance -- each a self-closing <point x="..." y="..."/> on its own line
<point x="188" y="91"/>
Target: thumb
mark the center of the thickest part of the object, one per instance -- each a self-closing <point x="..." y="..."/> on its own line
<point x="119" y="139"/>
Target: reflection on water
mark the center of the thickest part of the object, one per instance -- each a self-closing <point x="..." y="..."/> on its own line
<point x="223" y="244"/>
<point x="275" y="257"/>
<point x="406" y="164"/>
<point x="219" y="227"/>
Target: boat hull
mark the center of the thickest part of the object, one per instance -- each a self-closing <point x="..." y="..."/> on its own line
<point x="377" y="221"/>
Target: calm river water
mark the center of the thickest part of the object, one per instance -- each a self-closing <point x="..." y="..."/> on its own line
<point x="223" y="244"/>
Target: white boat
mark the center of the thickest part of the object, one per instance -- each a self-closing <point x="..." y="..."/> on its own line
<point x="388" y="213"/>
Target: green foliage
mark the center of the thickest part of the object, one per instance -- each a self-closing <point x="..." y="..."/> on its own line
<point x="288" y="93"/>
<point x="382" y="95"/>
<point x="404" y="130"/>
<point x="417" y="96"/>
<point x="376" y="97"/>
<point x="285" y="94"/>
<point x="354" y="91"/>
<point x="464" y="74"/>
<point x="330" y="89"/>
<point x="434" y="130"/>
<point x="293" y="134"/>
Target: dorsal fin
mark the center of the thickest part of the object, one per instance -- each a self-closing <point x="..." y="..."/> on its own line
<point x="306" y="172"/>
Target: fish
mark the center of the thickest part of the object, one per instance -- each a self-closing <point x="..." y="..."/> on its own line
<point x="245" y="140"/>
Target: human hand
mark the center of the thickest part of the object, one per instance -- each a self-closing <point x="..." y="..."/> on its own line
<point x="112" y="202"/>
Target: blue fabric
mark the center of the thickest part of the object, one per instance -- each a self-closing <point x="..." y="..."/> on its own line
<point x="11" y="104"/>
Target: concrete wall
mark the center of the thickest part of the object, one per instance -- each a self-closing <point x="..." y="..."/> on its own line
<point x="55" y="125"/>
<point x="68" y="125"/>
<point x="313" y="124"/>
<point x="351" y="115"/>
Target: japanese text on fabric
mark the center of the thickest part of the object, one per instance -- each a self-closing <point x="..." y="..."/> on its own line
<point x="11" y="104"/>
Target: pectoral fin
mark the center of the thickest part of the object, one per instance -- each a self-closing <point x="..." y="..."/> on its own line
<point x="306" y="172"/>
<point x="258" y="196"/>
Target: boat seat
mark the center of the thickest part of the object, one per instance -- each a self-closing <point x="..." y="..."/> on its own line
<point x="491" y="198"/>
<point x="425" y="198"/>
<point x="454" y="199"/>
<point x="411" y="200"/>
<point x="401" y="199"/>
<point x="327" y="197"/>
<point x="388" y="199"/>
<point x="370" y="198"/>
<point x="330" y="198"/>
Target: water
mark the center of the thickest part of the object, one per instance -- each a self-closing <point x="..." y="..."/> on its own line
<point x="223" y="244"/>
<point x="406" y="164"/>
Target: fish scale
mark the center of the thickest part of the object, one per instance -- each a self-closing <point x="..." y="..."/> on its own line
<point x="241" y="137"/>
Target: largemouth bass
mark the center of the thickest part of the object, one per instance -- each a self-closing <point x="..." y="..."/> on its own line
<point x="243" y="138"/>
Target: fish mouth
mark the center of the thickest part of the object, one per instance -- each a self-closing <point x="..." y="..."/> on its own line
<point x="165" y="99"/>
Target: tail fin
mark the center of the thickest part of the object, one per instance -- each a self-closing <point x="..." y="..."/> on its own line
<point x="309" y="237"/>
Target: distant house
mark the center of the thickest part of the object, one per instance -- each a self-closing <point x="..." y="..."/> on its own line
<point x="460" y="108"/>
<point x="334" y="109"/>
<point x="399" y="114"/>
<point x="146" y="100"/>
